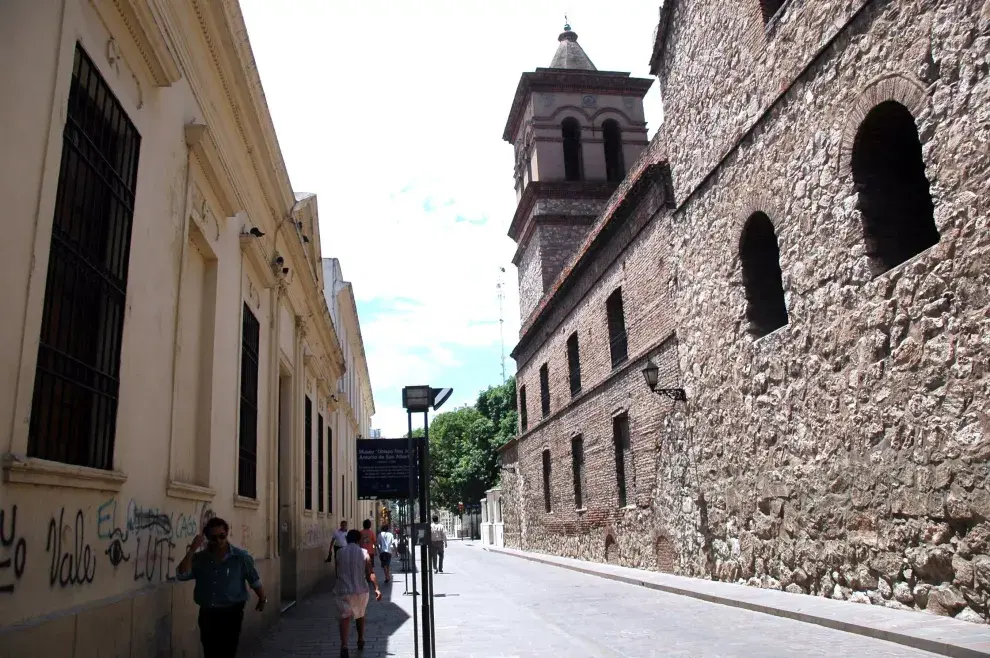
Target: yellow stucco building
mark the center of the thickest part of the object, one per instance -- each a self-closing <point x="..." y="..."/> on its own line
<point x="172" y="347"/>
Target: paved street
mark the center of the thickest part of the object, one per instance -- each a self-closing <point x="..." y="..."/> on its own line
<point x="492" y="605"/>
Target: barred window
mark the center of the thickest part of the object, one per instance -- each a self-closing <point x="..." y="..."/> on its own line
<point x="247" y="441"/>
<point x="320" y="487"/>
<point x="74" y="406"/>
<point x="308" y="442"/>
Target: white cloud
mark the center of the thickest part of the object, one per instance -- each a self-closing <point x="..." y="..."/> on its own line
<point x="392" y="113"/>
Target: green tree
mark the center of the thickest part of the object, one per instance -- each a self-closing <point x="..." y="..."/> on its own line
<point x="464" y="446"/>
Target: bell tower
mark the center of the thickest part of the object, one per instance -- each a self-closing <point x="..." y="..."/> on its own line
<point x="575" y="131"/>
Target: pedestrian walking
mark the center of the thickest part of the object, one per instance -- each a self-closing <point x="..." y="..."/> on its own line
<point x="222" y="572"/>
<point x="438" y="541"/>
<point x="354" y="572"/>
<point x="403" y="549"/>
<point x="386" y="540"/>
<point x="368" y="540"/>
<point x="337" y="542"/>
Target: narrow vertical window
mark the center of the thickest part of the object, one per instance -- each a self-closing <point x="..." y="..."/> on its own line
<point x="247" y="440"/>
<point x="320" y="487"/>
<point x="895" y="199"/>
<point x="616" y="328"/>
<point x="577" y="463"/>
<point x="620" y="437"/>
<point x="615" y="168"/>
<point x="76" y="385"/>
<point x="545" y="390"/>
<point x="571" y="133"/>
<point x="308" y="449"/>
<point x="523" y="416"/>
<point x="546" y="480"/>
<point x="759" y="255"/>
<point x="574" y="364"/>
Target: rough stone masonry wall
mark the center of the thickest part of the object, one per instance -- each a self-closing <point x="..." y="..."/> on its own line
<point x="844" y="455"/>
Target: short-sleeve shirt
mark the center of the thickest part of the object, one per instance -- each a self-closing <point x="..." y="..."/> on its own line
<point x="368" y="541"/>
<point x="385" y="542"/>
<point x="222" y="584"/>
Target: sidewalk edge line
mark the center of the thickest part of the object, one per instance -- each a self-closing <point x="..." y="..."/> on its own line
<point x="912" y="641"/>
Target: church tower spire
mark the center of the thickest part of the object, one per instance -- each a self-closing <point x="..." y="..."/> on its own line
<point x="570" y="54"/>
<point x="575" y="130"/>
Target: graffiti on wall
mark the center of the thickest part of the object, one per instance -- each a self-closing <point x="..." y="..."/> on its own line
<point x="72" y="559"/>
<point x="13" y="551"/>
<point x="151" y="539"/>
<point x="145" y="542"/>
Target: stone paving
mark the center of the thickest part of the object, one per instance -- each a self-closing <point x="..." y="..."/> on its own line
<point x="491" y="605"/>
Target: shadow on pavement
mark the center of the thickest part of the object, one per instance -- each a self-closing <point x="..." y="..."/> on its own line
<point x="311" y="626"/>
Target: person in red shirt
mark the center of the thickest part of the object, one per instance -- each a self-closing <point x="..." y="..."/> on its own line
<point x="368" y="540"/>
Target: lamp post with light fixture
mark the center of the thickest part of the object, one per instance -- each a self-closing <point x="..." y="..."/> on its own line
<point x="651" y="373"/>
<point x="417" y="399"/>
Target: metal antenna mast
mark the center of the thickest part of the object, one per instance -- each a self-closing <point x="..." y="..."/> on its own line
<point x="500" y="287"/>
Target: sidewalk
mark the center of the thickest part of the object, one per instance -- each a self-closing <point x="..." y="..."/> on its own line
<point x="918" y="630"/>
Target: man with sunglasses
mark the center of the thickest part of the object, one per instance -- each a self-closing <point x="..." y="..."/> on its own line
<point x="222" y="573"/>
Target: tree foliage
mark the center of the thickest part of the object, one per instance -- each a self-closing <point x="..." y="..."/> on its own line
<point x="464" y="446"/>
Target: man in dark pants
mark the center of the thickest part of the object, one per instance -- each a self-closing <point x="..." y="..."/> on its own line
<point x="222" y="573"/>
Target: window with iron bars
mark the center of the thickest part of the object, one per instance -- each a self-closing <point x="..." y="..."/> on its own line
<point x="308" y="442"/>
<point x="574" y="364"/>
<point x="616" y="328"/>
<point x="320" y="487"/>
<point x="76" y="386"/>
<point x="247" y="441"/>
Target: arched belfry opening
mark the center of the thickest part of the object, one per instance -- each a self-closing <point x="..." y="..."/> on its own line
<point x="894" y="196"/>
<point x="759" y="254"/>
<point x="615" y="169"/>
<point x="571" y="133"/>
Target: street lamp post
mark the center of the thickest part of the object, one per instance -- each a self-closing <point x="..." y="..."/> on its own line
<point x="416" y="399"/>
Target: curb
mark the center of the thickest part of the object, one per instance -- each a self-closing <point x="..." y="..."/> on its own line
<point x="902" y="636"/>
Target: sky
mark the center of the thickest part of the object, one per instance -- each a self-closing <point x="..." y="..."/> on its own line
<point x="392" y="114"/>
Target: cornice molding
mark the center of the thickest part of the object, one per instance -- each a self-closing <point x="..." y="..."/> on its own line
<point x="147" y="38"/>
<point x="205" y="148"/>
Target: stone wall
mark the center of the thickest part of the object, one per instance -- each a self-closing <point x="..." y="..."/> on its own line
<point x="845" y="454"/>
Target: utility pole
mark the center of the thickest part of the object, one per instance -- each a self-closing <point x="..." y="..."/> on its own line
<point x="500" y="287"/>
